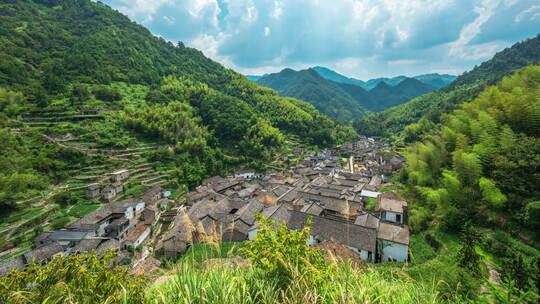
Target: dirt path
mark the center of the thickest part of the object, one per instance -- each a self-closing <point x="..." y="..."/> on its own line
<point x="494" y="276"/>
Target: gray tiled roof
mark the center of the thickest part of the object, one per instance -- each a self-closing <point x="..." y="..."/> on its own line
<point x="393" y="233"/>
<point x="43" y="253"/>
<point x="325" y="229"/>
<point x="87" y="245"/>
<point x="367" y="220"/>
<point x="248" y="212"/>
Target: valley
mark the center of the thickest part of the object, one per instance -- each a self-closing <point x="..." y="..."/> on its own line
<point x="138" y="169"/>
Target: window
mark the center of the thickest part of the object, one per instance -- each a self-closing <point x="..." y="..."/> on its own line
<point x="398" y="218"/>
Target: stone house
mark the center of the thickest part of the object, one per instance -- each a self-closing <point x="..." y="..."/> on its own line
<point x="120" y="175"/>
<point x="93" y="191"/>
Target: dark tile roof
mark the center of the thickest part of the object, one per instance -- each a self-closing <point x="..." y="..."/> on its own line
<point x="87" y="245"/>
<point x="182" y="227"/>
<point x="110" y="244"/>
<point x="325" y="229"/>
<point x="312" y="209"/>
<point x="367" y="220"/>
<point x="43" y="253"/>
<point x="393" y="233"/>
<point x="201" y="209"/>
<point x="247" y="213"/>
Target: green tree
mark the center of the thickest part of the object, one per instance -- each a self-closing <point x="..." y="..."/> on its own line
<point x="467" y="256"/>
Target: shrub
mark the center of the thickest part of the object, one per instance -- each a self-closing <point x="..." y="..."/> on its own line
<point x="284" y="255"/>
<point x="73" y="279"/>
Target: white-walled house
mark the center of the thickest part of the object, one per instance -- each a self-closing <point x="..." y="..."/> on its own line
<point x="137" y="236"/>
<point x="246" y="173"/>
<point x="392" y="242"/>
<point x="392" y="208"/>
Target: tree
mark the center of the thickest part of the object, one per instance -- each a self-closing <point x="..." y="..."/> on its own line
<point x="467" y="256"/>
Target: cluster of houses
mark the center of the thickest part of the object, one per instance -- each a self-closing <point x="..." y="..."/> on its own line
<point x="318" y="187"/>
<point x="333" y="192"/>
<point x="111" y="190"/>
<point x="116" y="225"/>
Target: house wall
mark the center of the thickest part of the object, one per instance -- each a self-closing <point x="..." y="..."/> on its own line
<point x="396" y="251"/>
<point x="142" y="237"/>
<point x="391" y="217"/>
<point x="245" y="175"/>
<point x="364" y="255"/>
<point x="172" y="248"/>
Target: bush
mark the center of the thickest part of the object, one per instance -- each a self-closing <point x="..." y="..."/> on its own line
<point x="73" y="279"/>
<point x="284" y="256"/>
<point x="106" y="93"/>
<point x="66" y="198"/>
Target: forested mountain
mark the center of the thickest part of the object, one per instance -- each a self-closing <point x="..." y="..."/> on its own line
<point x="335" y="76"/>
<point x="341" y="100"/>
<point x="464" y="89"/>
<point x="434" y="79"/>
<point x="66" y="57"/>
<point x="327" y="96"/>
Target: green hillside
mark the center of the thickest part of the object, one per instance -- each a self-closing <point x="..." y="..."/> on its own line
<point x="480" y="169"/>
<point x="341" y="99"/>
<point x="325" y="95"/>
<point x="465" y="88"/>
<point x="84" y="91"/>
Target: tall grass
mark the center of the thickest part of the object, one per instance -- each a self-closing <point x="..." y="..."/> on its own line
<point x="193" y="283"/>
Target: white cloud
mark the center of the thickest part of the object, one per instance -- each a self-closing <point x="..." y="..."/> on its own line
<point x="531" y="13"/>
<point x="278" y="10"/>
<point x="169" y="20"/>
<point x="361" y="37"/>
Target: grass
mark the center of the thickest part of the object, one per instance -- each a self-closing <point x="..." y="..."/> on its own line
<point x="245" y="284"/>
<point x="372" y="202"/>
<point x="201" y="252"/>
<point x="388" y="188"/>
<point x="23" y="215"/>
<point x="420" y="251"/>
<point x="82" y="210"/>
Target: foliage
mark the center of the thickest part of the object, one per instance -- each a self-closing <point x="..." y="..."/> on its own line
<point x="73" y="279"/>
<point x="473" y="171"/>
<point x="466" y="168"/>
<point x="467" y="255"/>
<point x="65" y="198"/>
<point x="30" y="162"/>
<point x="284" y="256"/>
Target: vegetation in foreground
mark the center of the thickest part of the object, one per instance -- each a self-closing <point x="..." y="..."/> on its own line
<point x="277" y="267"/>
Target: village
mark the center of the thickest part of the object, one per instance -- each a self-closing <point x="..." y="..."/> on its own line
<point x="343" y="190"/>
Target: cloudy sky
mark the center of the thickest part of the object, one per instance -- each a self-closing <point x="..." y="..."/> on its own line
<point x="360" y="38"/>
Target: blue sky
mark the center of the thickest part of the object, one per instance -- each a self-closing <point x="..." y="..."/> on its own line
<point x="360" y="38"/>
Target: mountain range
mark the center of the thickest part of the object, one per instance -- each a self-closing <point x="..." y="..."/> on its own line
<point x="434" y="79"/>
<point x="340" y="97"/>
<point x="427" y="109"/>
